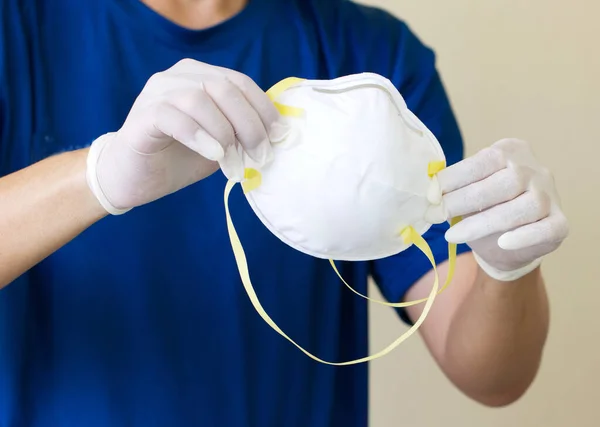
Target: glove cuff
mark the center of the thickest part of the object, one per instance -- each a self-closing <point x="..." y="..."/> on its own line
<point x="506" y="276"/>
<point x="92" y="175"/>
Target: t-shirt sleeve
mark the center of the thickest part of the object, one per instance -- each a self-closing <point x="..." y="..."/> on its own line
<point x="3" y="49"/>
<point x="7" y="18"/>
<point x="416" y="77"/>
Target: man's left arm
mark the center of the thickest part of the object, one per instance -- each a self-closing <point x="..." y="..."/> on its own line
<point x="488" y="329"/>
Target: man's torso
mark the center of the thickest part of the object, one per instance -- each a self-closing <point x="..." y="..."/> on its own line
<point x="142" y="320"/>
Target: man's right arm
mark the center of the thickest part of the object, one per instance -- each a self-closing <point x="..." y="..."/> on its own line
<point x="188" y="121"/>
<point x="42" y="208"/>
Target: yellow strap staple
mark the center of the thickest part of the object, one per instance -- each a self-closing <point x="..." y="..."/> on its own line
<point x="252" y="180"/>
<point x="434" y="167"/>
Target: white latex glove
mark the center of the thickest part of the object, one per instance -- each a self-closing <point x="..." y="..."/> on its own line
<point x="510" y="206"/>
<point x="186" y="122"/>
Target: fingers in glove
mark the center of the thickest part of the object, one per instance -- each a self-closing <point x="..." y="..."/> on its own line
<point x="261" y="103"/>
<point x="504" y="185"/>
<point x="201" y="107"/>
<point x="232" y="165"/>
<point x="247" y="124"/>
<point x="509" y="260"/>
<point x="254" y="95"/>
<point x="170" y="121"/>
<point x="216" y="81"/>
<point x="549" y="231"/>
<point x="472" y="169"/>
<point x="530" y="207"/>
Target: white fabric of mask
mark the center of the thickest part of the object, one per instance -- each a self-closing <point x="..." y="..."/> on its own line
<point x="352" y="174"/>
<point x="354" y="180"/>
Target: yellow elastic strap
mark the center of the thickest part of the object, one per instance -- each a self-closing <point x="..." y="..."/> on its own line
<point x="433" y="168"/>
<point x="409" y="234"/>
<point x="451" y="268"/>
<point x="278" y="89"/>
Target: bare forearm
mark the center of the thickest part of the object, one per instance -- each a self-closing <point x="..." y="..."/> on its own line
<point x="488" y="335"/>
<point x="496" y="338"/>
<point x="42" y="208"/>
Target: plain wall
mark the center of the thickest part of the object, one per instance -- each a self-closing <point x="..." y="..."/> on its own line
<point x="528" y="69"/>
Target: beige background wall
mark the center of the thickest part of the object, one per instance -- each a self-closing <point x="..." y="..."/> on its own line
<point x="531" y="69"/>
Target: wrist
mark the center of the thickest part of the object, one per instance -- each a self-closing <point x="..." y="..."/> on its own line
<point x="94" y="154"/>
<point x="89" y="207"/>
<point x="506" y="275"/>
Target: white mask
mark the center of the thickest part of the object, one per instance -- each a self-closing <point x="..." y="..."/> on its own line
<point x="353" y="181"/>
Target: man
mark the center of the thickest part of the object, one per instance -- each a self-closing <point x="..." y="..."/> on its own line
<point x="140" y="319"/>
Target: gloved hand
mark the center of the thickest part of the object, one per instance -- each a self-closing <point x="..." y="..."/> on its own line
<point x="186" y="122"/>
<point x="510" y="206"/>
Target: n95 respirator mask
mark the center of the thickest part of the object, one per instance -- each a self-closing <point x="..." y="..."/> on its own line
<point x="354" y="180"/>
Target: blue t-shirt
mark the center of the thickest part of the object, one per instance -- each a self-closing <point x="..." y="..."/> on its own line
<point x="142" y="319"/>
